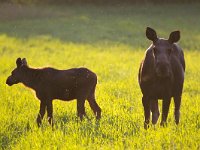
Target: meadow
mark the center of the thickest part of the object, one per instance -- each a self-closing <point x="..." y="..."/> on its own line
<point x="110" y="40"/>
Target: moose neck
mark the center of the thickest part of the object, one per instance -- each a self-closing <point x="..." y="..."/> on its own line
<point x="31" y="77"/>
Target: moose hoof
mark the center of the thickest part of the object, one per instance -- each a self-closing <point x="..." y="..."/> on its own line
<point x="146" y="125"/>
<point x="163" y="124"/>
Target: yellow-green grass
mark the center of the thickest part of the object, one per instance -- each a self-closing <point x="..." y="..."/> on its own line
<point x="115" y="57"/>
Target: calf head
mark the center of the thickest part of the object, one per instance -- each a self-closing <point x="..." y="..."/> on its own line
<point x="162" y="50"/>
<point x="17" y="74"/>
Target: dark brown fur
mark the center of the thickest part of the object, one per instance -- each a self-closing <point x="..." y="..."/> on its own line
<point x="50" y="84"/>
<point x="161" y="76"/>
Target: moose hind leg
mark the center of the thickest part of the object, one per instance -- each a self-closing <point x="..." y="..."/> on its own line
<point x="81" y="108"/>
<point x="50" y="112"/>
<point x="165" y="110"/>
<point x="177" y="102"/>
<point x="155" y="111"/>
<point x="146" y="105"/>
<point x="94" y="106"/>
<point x="41" y="113"/>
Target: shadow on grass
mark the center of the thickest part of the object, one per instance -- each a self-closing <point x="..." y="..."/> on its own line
<point x="12" y="133"/>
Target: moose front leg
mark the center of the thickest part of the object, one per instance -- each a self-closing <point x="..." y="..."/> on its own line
<point x="177" y="101"/>
<point x="146" y="105"/>
<point x="41" y="113"/>
<point x="155" y="111"/>
<point x="50" y="112"/>
<point x="165" y="110"/>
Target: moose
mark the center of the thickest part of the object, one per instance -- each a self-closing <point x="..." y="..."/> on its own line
<point x="50" y="84"/>
<point x="161" y="76"/>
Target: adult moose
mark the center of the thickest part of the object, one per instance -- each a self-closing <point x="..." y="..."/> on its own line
<point x="50" y="84"/>
<point x="161" y="76"/>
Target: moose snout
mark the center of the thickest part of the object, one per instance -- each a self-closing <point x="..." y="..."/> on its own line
<point x="8" y="81"/>
<point x="163" y="69"/>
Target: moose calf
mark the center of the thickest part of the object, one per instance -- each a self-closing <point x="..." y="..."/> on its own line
<point x="50" y="84"/>
<point x="161" y="76"/>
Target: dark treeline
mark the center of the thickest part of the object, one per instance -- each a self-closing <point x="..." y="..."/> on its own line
<point x="94" y="1"/>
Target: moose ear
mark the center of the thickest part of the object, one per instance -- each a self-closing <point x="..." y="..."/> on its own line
<point x="174" y="37"/>
<point x="19" y="62"/>
<point x="24" y="62"/>
<point x="151" y="34"/>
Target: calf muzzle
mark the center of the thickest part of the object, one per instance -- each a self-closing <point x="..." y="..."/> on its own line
<point x="9" y="81"/>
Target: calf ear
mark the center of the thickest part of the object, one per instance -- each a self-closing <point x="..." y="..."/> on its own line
<point x="24" y="62"/>
<point x="174" y="37"/>
<point x="19" y="62"/>
<point x="151" y="34"/>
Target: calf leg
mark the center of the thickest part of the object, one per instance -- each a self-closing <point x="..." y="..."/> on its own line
<point x="81" y="108"/>
<point x="155" y="111"/>
<point x="50" y="112"/>
<point x="165" y="110"/>
<point x="146" y="105"/>
<point x="94" y="106"/>
<point x="41" y="113"/>
<point x="177" y="101"/>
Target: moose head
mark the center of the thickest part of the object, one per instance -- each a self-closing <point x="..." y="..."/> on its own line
<point x="17" y="74"/>
<point x="162" y="49"/>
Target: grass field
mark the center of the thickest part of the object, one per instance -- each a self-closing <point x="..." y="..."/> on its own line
<point x="110" y="40"/>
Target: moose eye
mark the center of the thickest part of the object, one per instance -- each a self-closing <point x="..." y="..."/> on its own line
<point x="169" y="51"/>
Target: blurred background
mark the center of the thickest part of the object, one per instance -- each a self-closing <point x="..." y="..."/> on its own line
<point x="95" y="1"/>
<point x="101" y="21"/>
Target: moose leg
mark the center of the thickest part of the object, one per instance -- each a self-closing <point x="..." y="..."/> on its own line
<point x="165" y="110"/>
<point x="177" y="101"/>
<point x="155" y="111"/>
<point x="146" y="105"/>
<point x="81" y="108"/>
<point x="41" y="113"/>
<point x="50" y="112"/>
<point x="94" y="106"/>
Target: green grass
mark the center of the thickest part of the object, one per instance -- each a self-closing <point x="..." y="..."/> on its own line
<point x="110" y="40"/>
